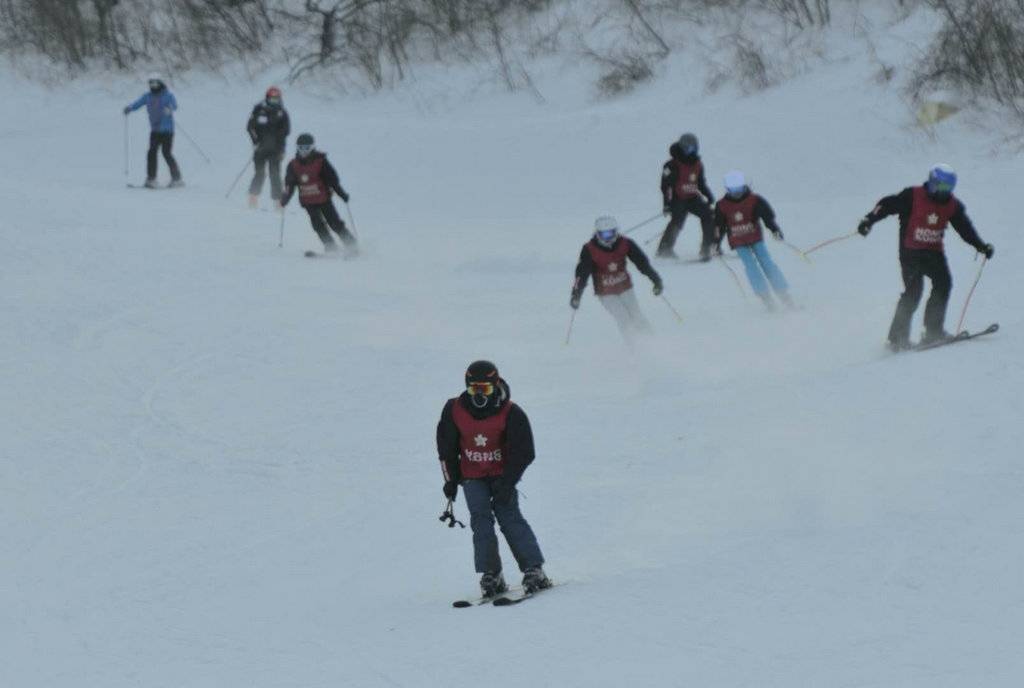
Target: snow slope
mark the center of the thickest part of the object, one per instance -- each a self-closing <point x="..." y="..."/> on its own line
<point x="217" y="462"/>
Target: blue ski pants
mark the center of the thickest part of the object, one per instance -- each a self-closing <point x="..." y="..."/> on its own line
<point x="758" y="264"/>
<point x="482" y="513"/>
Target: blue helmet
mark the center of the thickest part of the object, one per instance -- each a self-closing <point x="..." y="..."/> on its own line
<point x="941" y="179"/>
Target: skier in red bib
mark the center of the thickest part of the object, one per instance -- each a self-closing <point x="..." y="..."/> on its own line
<point x="315" y="178"/>
<point x="684" y="190"/>
<point x="924" y="212"/>
<point x="605" y="258"/>
<point x="485" y="443"/>
<point x="739" y="215"/>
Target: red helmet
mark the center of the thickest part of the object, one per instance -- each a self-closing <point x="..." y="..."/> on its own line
<point x="274" y="92"/>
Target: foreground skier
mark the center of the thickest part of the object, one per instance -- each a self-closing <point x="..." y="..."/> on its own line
<point x="605" y="257"/>
<point x="485" y="443"/>
<point x="739" y="215"/>
<point x="924" y="212"/>
<point x="315" y="178"/>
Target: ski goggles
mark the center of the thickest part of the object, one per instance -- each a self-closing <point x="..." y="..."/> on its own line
<point x="305" y="148"/>
<point x="153" y="83"/>
<point x="940" y="186"/>
<point x="484" y="388"/>
<point x="273" y="101"/>
<point x="607" y="235"/>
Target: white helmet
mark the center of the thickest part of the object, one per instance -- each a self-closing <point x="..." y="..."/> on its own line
<point x="606" y="230"/>
<point x="735" y="183"/>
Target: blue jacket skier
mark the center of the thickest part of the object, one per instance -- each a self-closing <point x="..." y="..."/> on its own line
<point x="160" y="105"/>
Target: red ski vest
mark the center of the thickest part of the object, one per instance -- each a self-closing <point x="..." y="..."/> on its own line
<point x="927" y="222"/>
<point x="610" y="275"/>
<point x="312" y="189"/>
<point x="744" y="228"/>
<point x="482" y="442"/>
<point x="687" y="175"/>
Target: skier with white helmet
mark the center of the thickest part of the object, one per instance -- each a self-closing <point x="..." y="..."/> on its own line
<point x="924" y="213"/>
<point x="605" y="258"/>
<point x="740" y="215"/>
<point x="160" y="104"/>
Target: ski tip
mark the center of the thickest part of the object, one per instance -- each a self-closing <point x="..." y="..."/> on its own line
<point x="461" y="604"/>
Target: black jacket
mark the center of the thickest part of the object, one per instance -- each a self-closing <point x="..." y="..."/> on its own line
<point x="762" y="211"/>
<point x="902" y="204"/>
<point x="268" y="127"/>
<point x="669" y="174"/>
<point x="517" y="432"/>
<point x="585" y="268"/>
<point x="327" y="173"/>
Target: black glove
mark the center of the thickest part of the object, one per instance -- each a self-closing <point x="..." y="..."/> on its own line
<point x="502" y="490"/>
<point x="778" y="235"/>
<point x="666" y="209"/>
<point x="344" y="196"/>
<point x="574" y="301"/>
<point x="988" y="250"/>
<point x="450" y="489"/>
<point x="864" y="227"/>
<point x="658" y="288"/>
<point x="127" y="109"/>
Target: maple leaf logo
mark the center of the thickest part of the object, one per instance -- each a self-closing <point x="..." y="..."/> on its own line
<point x="933" y="219"/>
<point x="738" y="216"/>
<point x="613" y="267"/>
<point x="480" y="440"/>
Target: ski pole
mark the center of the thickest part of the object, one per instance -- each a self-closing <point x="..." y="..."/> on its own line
<point x="280" y="238"/>
<point x="449" y="516"/>
<point x="823" y="244"/>
<point x="977" y="279"/>
<point x="194" y="144"/>
<point x="794" y="249"/>
<point x="672" y="308"/>
<point x="572" y="319"/>
<point x="642" y="224"/>
<point x="127" y="153"/>
<point x="351" y="220"/>
<point x="732" y="272"/>
<point x="235" y="183"/>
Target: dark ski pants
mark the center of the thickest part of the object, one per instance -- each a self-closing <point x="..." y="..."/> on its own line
<point x="264" y="163"/>
<point x="162" y="140"/>
<point x="680" y="209"/>
<point x="326" y="214"/>
<point x="518" y="534"/>
<point x="916" y="265"/>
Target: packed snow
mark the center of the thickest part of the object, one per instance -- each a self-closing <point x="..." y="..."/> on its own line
<point x="217" y="462"/>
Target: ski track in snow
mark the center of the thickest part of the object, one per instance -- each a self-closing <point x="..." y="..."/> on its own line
<point x="218" y="464"/>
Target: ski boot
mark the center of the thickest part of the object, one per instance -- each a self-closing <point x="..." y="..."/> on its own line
<point x="150" y="184"/>
<point x="492" y="584"/>
<point x="769" y="302"/>
<point x="899" y="344"/>
<point x="665" y="252"/>
<point x="935" y="336"/>
<point x="705" y="254"/>
<point x="176" y="183"/>
<point x="534" y="579"/>
<point x="254" y="201"/>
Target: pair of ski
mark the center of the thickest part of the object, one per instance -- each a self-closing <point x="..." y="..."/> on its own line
<point x="503" y="599"/>
<point x="162" y="187"/>
<point x="961" y="336"/>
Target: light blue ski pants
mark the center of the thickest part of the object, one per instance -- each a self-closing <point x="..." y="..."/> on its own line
<point x="755" y="260"/>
